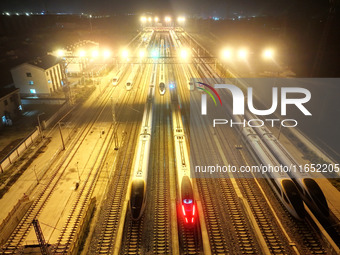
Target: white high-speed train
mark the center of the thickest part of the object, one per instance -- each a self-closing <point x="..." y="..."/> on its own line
<point x="116" y="78"/>
<point x="132" y="76"/>
<point x="161" y="86"/>
<point x="280" y="181"/>
<point x="309" y="190"/>
<point x="185" y="192"/>
<point x="141" y="161"/>
<point x="161" y="79"/>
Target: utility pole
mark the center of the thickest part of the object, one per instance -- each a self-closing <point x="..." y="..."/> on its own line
<point x="78" y="171"/>
<point x="36" y="175"/>
<point x="40" y="236"/>
<point x="114" y="123"/>
<point x="61" y="135"/>
<point x="40" y="129"/>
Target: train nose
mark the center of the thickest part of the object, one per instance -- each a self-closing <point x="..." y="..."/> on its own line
<point x="317" y="196"/>
<point x="189" y="211"/>
<point x="137" y="199"/>
<point x="136" y="212"/>
<point x="294" y="198"/>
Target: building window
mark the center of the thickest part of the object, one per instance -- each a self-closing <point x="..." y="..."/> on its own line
<point x="28" y="74"/>
<point x="30" y="83"/>
<point x="11" y="98"/>
<point x="49" y="81"/>
<point x="33" y="91"/>
<point x="6" y="102"/>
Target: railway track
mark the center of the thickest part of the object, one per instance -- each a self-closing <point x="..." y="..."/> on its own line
<point x="190" y="240"/>
<point x="45" y="192"/>
<point x="84" y="195"/>
<point x="237" y="217"/>
<point x="156" y="218"/>
<point x="74" y="219"/>
<point x="275" y="241"/>
<point x="227" y="223"/>
<point x="157" y="210"/>
<point x="105" y="234"/>
<point x="160" y="218"/>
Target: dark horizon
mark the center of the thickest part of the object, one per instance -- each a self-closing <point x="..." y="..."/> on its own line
<point x="217" y="8"/>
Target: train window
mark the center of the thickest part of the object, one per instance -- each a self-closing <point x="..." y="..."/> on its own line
<point x="297" y="185"/>
<point x="137" y="197"/>
<point x="293" y="195"/>
<point x="285" y="198"/>
<point x="317" y="195"/>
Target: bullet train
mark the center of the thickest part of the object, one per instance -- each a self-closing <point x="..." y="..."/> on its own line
<point x="141" y="162"/>
<point x="116" y="78"/>
<point x="161" y="77"/>
<point x="280" y="181"/>
<point x="161" y="86"/>
<point x="132" y="76"/>
<point x="185" y="194"/>
<point x="309" y="190"/>
<point x="282" y="184"/>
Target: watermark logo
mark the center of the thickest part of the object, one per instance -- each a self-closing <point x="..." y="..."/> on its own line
<point x="239" y="99"/>
<point x="204" y="96"/>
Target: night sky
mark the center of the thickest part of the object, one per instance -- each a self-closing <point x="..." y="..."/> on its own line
<point x="223" y="8"/>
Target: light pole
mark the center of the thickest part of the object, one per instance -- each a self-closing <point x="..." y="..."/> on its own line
<point x="36" y="175"/>
<point x="114" y="122"/>
<point x="91" y="23"/>
<point x="40" y="129"/>
<point x="61" y="135"/>
<point x="78" y="171"/>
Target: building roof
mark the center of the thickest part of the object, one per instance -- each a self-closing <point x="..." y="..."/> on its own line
<point x="5" y="91"/>
<point x="45" y="62"/>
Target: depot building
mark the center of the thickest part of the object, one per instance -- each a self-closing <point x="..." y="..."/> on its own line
<point x="42" y="76"/>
